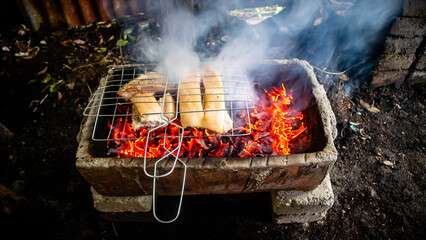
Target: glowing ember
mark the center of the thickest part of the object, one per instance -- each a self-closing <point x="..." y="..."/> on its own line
<point x="274" y="126"/>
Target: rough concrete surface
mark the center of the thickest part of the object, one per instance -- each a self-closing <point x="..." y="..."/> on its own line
<point x="396" y="62"/>
<point x="302" y="206"/>
<point x="121" y="203"/>
<point x="414" y="8"/>
<point x="408" y="27"/>
<point x="402" y="45"/>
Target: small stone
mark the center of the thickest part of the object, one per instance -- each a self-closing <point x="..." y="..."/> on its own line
<point x="373" y="193"/>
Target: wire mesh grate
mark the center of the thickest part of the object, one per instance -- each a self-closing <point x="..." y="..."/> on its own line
<point x="111" y="110"/>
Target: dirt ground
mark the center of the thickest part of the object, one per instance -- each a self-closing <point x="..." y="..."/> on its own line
<point x="47" y="78"/>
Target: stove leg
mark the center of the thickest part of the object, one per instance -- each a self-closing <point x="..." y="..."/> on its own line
<point x="303" y="206"/>
<point x="123" y="208"/>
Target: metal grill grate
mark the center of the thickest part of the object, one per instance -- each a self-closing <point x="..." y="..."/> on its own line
<point x="111" y="110"/>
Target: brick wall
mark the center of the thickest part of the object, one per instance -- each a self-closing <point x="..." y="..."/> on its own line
<point x="404" y="55"/>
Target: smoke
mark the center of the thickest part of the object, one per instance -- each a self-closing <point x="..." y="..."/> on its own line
<point x="335" y="35"/>
<point x="330" y="34"/>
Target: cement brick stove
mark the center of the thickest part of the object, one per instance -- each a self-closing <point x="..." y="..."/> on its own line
<point x="299" y="183"/>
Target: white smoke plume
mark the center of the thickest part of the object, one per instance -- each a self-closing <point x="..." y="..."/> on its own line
<point x="330" y="34"/>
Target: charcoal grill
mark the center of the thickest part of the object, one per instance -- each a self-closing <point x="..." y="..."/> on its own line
<point x="303" y="170"/>
<point x="105" y="103"/>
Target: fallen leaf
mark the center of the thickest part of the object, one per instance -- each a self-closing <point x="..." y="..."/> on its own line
<point x="343" y="77"/>
<point x="66" y="42"/>
<point x="75" y="101"/>
<point x="99" y="57"/>
<point x="33" y="102"/>
<point x="100" y="50"/>
<point x="31" y="81"/>
<point x="57" y="33"/>
<point x="369" y="107"/>
<point x="128" y="31"/>
<point x="53" y="88"/>
<point x="59" y="96"/>
<point x="42" y="71"/>
<point x="46" y="78"/>
<point x="387" y="163"/>
<point x="79" y="41"/>
<point x="45" y="88"/>
<point x="340" y="13"/>
<point x="21" y="32"/>
<point x="106" y="25"/>
<point x="122" y="43"/>
<point x="70" y="86"/>
<point x="33" y="53"/>
<point x="67" y="66"/>
<point x="318" y="21"/>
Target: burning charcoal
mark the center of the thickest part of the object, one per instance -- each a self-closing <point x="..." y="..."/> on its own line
<point x="203" y="143"/>
<point x="268" y="140"/>
<point x="266" y="149"/>
<point x="240" y="130"/>
<point x="262" y="115"/>
<point x="228" y="151"/>
<point x="263" y="135"/>
<point x="213" y="143"/>
<point x="300" y="145"/>
<point x="262" y="126"/>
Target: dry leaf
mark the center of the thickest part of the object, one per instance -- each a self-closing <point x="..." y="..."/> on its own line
<point x="79" y="41"/>
<point x="70" y="86"/>
<point x="66" y="42"/>
<point x="59" y="96"/>
<point x="340" y="13"/>
<point x="388" y="163"/>
<point x="369" y="107"/>
<point x="31" y="81"/>
<point x="57" y="33"/>
<point x="318" y="21"/>
<point x="343" y="77"/>
<point x="33" y="53"/>
<point x="42" y="71"/>
<point x="33" y="102"/>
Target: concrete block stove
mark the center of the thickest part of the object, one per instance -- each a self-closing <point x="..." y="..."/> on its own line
<point x="299" y="183"/>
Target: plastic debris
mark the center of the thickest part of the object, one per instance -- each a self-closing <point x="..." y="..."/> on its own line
<point x="359" y="131"/>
